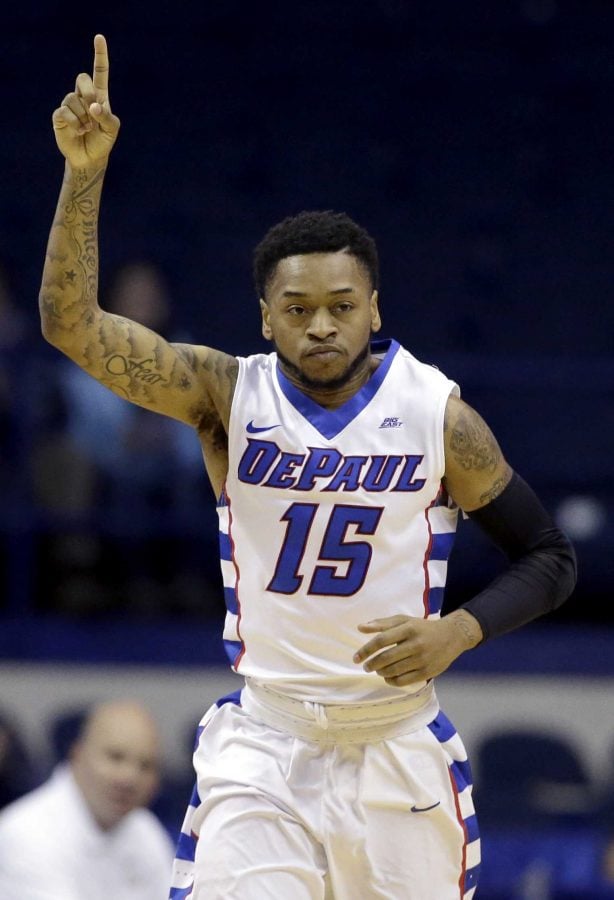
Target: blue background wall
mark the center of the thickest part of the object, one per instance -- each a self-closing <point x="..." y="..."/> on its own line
<point x="473" y="141"/>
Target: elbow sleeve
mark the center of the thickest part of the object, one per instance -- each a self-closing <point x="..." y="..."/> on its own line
<point x="542" y="571"/>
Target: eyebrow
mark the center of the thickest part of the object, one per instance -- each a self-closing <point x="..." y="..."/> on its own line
<point x="335" y="293"/>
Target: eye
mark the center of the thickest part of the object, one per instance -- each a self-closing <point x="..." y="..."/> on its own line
<point x="295" y="310"/>
<point x="344" y="307"/>
<point x="116" y="756"/>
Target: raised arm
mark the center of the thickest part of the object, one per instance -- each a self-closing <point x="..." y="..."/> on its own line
<point x="189" y="383"/>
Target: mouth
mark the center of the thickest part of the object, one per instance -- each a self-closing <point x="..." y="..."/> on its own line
<point x="123" y="799"/>
<point x="324" y="351"/>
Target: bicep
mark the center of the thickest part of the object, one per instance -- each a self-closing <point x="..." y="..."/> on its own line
<point x="476" y="471"/>
<point x="177" y="380"/>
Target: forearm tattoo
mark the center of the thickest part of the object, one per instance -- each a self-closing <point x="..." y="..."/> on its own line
<point x="70" y="275"/>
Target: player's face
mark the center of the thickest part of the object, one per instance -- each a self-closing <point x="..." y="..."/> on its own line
<point x="320" y="311"/>
<point x="116" y="767"/>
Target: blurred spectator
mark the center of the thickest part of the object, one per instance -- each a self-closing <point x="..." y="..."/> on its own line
<point x="84" y="832"/>
<point x="141" y="458"/>
<point x="116" y="482"/>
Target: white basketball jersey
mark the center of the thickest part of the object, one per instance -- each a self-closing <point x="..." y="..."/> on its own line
<point x="329" y="519"/>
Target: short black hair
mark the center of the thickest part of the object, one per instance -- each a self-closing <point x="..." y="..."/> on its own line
<point x="317" y="231"/>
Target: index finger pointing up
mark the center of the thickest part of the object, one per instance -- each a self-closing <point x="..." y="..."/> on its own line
<point x="101" y="65"/>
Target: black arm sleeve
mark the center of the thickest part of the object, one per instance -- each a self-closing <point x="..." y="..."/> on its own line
<point x="542" y="571"/>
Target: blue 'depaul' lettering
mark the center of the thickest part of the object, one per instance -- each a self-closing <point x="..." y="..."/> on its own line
<point x="263" y="463"/>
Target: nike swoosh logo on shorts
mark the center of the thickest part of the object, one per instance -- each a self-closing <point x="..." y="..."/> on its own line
<point x="255" y="429"/>
<point x="425" y="808"/>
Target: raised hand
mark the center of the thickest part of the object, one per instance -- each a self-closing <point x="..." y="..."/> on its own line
<point x="84" y="126"/>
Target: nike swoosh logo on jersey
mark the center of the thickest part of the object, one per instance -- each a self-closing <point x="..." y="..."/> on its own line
<point x="425" y="808"/>
<point x="255" y="429"/>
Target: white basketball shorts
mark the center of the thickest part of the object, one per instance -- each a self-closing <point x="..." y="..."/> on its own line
<point x="279" y="816"/>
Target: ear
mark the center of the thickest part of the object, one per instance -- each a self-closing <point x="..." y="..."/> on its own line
<point x="376" y="322"/>
<point x="267" y="331"/>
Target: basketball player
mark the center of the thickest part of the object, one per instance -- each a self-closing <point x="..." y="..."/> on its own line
<point x="339" y="465"/>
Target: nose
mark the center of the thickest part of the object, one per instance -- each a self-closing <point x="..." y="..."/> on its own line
<point x="322" y="325"/>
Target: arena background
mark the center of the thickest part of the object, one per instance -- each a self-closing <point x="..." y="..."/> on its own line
<point x="474" y="141"/>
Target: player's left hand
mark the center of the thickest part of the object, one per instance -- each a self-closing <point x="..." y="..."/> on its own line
<point x="406" y="650"/>
<point x="84" y="126"/>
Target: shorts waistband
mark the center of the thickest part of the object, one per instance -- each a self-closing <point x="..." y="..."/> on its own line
<point x="332" y="723"/>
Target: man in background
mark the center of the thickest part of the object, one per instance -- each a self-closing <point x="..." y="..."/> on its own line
<point x="86" y="832"/>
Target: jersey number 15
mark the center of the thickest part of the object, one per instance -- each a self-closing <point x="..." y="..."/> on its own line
<point x="299" y="518"/>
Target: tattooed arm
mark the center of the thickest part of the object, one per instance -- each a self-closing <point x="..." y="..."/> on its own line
<point x="405" y="650"/>
<point x="541" y="574"/>
<point x="192" y="384"/>
<point x="476" y="472"/>
<point x="542" y="565"/>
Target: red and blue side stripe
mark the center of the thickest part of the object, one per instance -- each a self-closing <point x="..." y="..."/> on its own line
<point x="461" y="782"/>
<point x="185" y="852"/>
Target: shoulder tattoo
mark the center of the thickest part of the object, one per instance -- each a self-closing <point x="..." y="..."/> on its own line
<point x="472" y="442"/>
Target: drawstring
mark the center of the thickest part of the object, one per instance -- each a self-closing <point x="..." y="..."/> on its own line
<point x="318" y="711"/>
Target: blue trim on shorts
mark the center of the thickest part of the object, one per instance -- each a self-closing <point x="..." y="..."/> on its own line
<point x="180" y="893"/>
<point x="461" y="772"/>
<point x="442" y="728"/>
<point x="233" y="649"/>
<point x="186" y="847"/>
<point x="194" y="796"/>
<point x="235" y="698"/>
